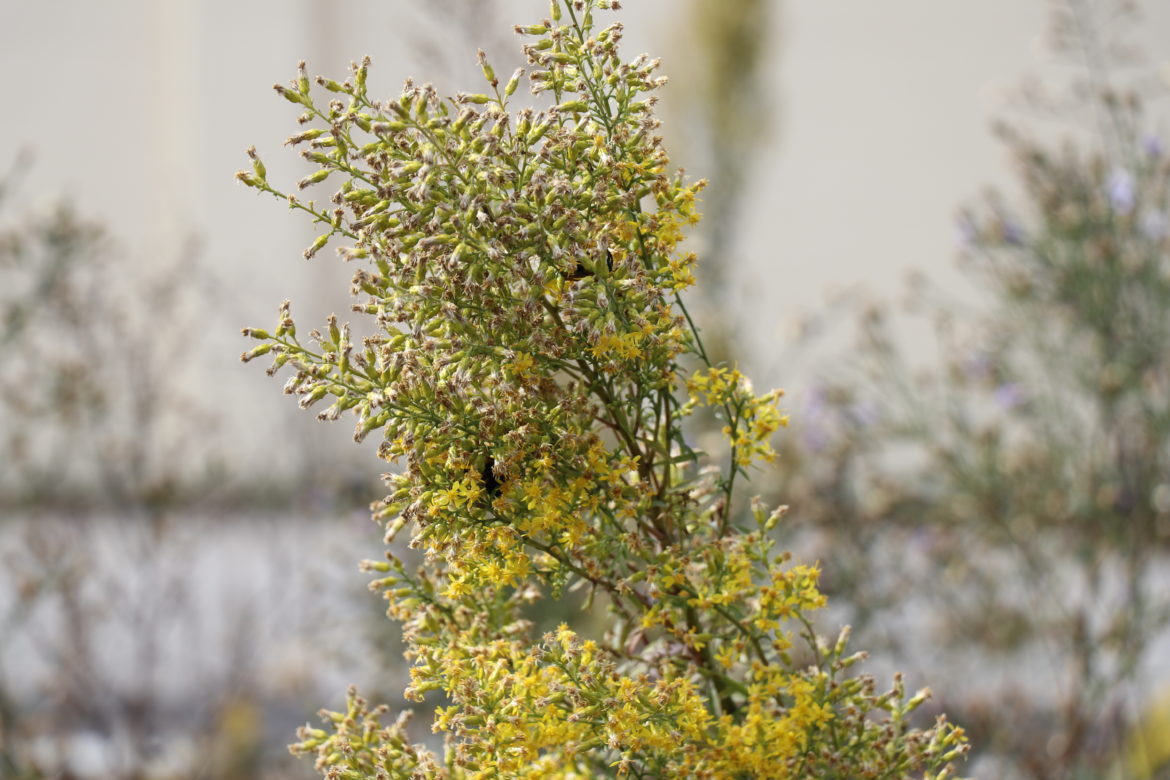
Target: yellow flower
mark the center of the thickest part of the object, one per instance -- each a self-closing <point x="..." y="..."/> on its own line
<point x="522" y="364"/>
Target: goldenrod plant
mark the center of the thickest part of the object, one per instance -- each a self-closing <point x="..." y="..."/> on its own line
<point x="531" y="365"/>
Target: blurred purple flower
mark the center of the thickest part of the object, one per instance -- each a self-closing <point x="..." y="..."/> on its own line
<point x="813" y="438"/>
<point x="816" y="400"/>
<point x="1121" y="191"/>
<point x="1153" y="146"/>
<point x="813" y="433"/>
<point x="967" y="232"/>
<point x="1013" y="232"/>
<point x="1009" y="395"/>
<point x="865" y="413"/>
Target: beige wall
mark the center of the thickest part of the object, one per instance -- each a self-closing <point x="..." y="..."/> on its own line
<point x="139" y="111"/>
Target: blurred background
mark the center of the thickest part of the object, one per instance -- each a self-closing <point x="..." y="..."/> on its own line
<point x="942" y="226"/>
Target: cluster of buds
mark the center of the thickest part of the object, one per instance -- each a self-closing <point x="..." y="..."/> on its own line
<point x="522" y="275"/>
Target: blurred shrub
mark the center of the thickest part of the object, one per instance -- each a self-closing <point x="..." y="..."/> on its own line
<point x="94" y="389"/>
<point x="105" y="452"/>
<point x="1012" y="499"/>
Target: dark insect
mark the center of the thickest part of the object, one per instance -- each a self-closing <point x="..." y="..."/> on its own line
<point x="580" y="272"/>
<point x="491" y="485"/>
<point x="491" y="491"/>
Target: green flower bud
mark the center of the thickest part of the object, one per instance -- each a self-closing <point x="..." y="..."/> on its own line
<point x="278" y="362"/>
<point x="256" y="352"/>
<point x="360" y="196"/>
<point x="489" y="73"/>
<point x="917" y="700"/>
<point x="307" y="135"/>
<point x="314" y="178"/>
<point x="317" y="246"/>
<point x="394" y="526"/>
<point x="302" y="79"/>
<point x="359" y="75"/>
<point x="513" y="83"/>
<point x="775" y="517"/>
<point x="288" y="94"/>
<point x="538" y="132"/>
<point x="385" y="128"/>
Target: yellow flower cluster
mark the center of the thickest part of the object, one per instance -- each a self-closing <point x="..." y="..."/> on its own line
<point x="767" y="742"/>
<point x="551" y="705"/>
<point x="621" y="345"/>
<point x="522" y="273"/>
<point x="751" y="420"/>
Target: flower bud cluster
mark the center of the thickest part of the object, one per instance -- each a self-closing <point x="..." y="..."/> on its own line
<point x="521" y="272"/>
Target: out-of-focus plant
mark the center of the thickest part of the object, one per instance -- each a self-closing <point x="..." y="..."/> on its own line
<point x="444" y="28"/>
<point x="725" y="108"/>
<point x="1027" y="480"/>
<point x="521" y="280"/>
<point x="94" y="408"/>
<point x="100" y="445"/>
<point x="724" y="113"/>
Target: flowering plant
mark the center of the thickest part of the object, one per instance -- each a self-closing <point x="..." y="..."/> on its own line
<point x="522" y="273"/>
